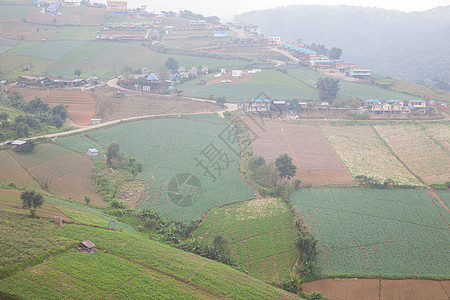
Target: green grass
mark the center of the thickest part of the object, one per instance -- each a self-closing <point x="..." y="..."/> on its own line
<point x="12" y="66"/>
<point x="51" y="50"/>
<point x="211" y="63"/>
<point x="259" y="232"/>
<point x="6" y="44"/>
<point x="75" y="33"/>
<point x="23" y="239"/>
<point x="8" y="12"/>
<point x="18" y="47"/>
<point x="370" y="232"/>
<point x="347" y="88"/>
<point x="131" y="266"/>
<point x="167" y="147"/>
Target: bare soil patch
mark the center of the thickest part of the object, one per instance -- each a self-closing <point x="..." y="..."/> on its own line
<point x="92" y="16"/>
<point x="81" y="104"/>
<point x="132" y="193"/>
<point x="317" y="163"/>
<point x="134" y="104"/>
<point x="369" y="289"/>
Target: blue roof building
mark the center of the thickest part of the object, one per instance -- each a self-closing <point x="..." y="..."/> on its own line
<point x="152" y="77"/>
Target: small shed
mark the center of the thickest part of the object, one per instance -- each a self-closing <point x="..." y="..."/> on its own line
<point x="87" y="245"/>
<point x="18" y="143"/>
<point x="92" y="152"/>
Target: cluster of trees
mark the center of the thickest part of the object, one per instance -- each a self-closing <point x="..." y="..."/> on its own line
<point x="190" y="15"/>
<point x="37" y="115"/>
<point x="268" y="174"/>
<point x="328" y="89"/>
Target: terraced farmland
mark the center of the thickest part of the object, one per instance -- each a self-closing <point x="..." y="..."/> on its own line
<point x="364" y="153"/>
<point x="132" y="266"/>
<point x="378" y="232"/>
<point x="190" y="164"/>
<point x="260" y="233"/>
<point x="63" y="172"/>
<point x="81" y="104"/>
<point x="423" y="148"/>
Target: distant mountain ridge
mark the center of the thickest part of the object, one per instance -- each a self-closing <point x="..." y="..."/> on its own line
<point x="412" y="46"/>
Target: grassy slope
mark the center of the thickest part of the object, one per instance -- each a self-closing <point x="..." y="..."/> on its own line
<point x="347" y="89"/>
<point x="260" y="233"/>
<point x="377" y="232"/>
<point x="130" y="265"/>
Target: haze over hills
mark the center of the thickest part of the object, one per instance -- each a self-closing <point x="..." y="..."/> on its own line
<point x="411" y="46"/>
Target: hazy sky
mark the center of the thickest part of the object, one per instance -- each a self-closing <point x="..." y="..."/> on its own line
<point x="225" y="9"/>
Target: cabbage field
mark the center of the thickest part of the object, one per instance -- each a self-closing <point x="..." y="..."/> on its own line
<point x="190" y="164"/>
<point x="378" y="232"/>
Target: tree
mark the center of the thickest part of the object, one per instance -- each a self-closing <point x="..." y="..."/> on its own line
<point x="335" y="53"/>
<point x="221" y="243"/>
<point x="172" y="64"/>
<point x="61" y="111"/>
<point x="87" y="199"/>
<point x="221" y="101"/>
<point x="113" y="156"/>
<point x="151" y="225"/>
<point x="31" y="200"/>
<point x="328" y="88"/>
<point x="77" y="72"/>
<point x="315" y="296"/>
<point x="285" y="166"/>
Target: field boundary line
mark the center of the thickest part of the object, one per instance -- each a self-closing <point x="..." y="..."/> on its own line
<point x="179" y="279"/>
<point x="25" y="169"/>
<point x="396" y="156"/>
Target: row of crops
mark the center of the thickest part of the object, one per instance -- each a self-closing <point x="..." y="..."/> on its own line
<point x="189" y="164"/>
<point x="260" y="233"/>
<point x="378" y="232"/>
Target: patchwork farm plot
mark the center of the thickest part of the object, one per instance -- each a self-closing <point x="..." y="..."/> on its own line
<point x="190" y="164"/>
<point x="348" y="89"/>
<point x="377" y="232"/>
<point x="63" y="172"/>
<point x="316" y="161"/>
<point x="110" y="107"/>
<point x="423" y="148"/>
<point x="273" y="83"/>
<point x="132" y="266"/>
<point x="364" y="153"/>
<point x="260" y="233"/>
<point x="81" y="104"/>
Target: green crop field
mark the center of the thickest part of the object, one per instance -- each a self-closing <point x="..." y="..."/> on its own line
<point x="272" y="83"/>
<point x="260" y="233"/>
<point x="347" y="88"/>
<point x="190" y="164"/>
<point x="51" y="50"/>
<point x="132" y="265"/>
<point x="212" y="63"/>
<point x="9" y="12"/>
<point x="5" y="44"/>
<point x="23" y="238"/>
<point x="377" y="232"/>
<point x="75" y="33"/>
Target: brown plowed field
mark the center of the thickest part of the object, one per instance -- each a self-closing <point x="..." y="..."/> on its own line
<point x="369" y="289"/>
<point x="64" y="173"/>
<point x="316" y="161"/>
<point x="134" y="104"/>
<point x="92" y="16"/>
<point x="81" y="104"/>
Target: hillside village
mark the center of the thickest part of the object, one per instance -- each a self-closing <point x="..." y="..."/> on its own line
<point x="167" y="155"/>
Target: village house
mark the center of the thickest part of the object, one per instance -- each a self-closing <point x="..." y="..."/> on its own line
<point x="359" y="73"/>
<point x="18" y="143"/>
<point x="279" y="105"/>
<point x="92" y="152"/>
<point x="274" y="40"/>
<point x="323" y="106"/>
<point x="259" y="105"/>
<point x="116" y="6"/>
<point x="236" y="73"/>
<point x="419" y="103"/>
